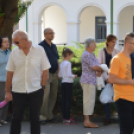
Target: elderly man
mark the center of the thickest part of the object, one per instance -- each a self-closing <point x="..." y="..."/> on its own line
<point x="50" y="95"/>
<point x="27" y="73"/>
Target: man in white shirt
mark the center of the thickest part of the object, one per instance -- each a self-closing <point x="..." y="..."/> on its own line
<point x="27" y="71"/>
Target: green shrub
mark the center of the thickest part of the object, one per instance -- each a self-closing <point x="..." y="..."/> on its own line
<point x="76" y="59"/>
<point x="77" y="94"/>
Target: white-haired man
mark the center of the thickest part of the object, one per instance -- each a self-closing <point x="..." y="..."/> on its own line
<point x="27" y="73"/>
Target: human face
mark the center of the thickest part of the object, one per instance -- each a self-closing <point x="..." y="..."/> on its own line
<point x="70" y="57"/>
<point x="49" y="35"/>
<point x="92" y="48"/>
<point x="131" y="45"/>
<point x="19" y="42"/>
<point x="112" y="43"/>
<point x="5" y="43"/>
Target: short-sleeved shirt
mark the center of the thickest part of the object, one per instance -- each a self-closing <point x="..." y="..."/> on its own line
<point x="121" y="67"/>
<point x="28" y="69"/>
<point x="88" y="62"/>
<point x="52" y="54"/>
<point x="3" y="63"/>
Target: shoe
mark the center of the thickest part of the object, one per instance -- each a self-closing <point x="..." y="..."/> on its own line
<point x="4" y="122"/>
<point x="69" y="122"/>
<point x="0" y="125"/>
<point x="107" y="122"/>
<point x="43" y="122"/>
<point x="72" y="120"/>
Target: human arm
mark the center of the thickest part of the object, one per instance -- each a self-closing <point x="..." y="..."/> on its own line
<point x="113" y="74"/>
<point x="45" y="65"/>
<point x="44" y="78"/>
<point x="69" y="71"/>
<point x="8" y="95"/>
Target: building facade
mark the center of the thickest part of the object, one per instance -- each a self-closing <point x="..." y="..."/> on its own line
<point x="75" y="20"/>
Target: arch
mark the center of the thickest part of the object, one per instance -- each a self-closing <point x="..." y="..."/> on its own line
<point x="80" y="10"/>
<point x="42" y="8"/>
<point x="121" y="8"/>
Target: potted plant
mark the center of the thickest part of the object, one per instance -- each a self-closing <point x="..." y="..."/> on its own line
<point x="1" y="16"/>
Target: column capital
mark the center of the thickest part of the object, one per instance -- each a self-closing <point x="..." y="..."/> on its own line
<point x="116" y="22"/>
<point x="37" y="22"/>
<point x="73" y="21"/>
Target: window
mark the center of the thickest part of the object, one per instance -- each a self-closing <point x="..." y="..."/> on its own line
<point x="101" y="30"/>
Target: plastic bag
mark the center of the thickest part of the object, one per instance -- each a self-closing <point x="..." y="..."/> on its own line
<point x="100" y="83"/>
<point x="107" y="94"/>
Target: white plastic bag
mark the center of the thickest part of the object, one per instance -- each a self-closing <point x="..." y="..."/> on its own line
<point x="107" y="94"/>
<point x="100" y="83"/>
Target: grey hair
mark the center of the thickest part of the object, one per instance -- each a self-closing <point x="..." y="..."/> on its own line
<point x="20" y="33"/>
<point x="46" y="29"/>
<point x="89" y="42"/>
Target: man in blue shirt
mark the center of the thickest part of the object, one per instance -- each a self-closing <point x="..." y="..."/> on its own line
<point x="50" y="94"/>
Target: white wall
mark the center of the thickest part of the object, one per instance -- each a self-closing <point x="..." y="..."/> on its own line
<point x="126" y="21"/>
<point x="87" y="26"/>
<point x="55" y="18"/>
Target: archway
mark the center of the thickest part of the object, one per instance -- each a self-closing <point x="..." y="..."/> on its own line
<point x="54" y="17"/>
<point x="126" y="21"/>
<point x="93" y="23"/>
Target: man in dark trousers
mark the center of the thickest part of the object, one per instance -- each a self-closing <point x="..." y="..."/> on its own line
<point x="50" y="94"/>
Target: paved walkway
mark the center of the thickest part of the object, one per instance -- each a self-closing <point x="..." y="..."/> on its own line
<point x="59" y="128"/>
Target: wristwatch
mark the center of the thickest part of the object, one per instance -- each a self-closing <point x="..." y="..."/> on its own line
<point x="43" y="87"/>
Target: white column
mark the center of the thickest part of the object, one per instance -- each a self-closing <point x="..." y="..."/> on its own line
<point x="72" y="32"/>
<point x="37" y="31"/>
<point x="116" y="33"/>
<point x="108" y="27"/>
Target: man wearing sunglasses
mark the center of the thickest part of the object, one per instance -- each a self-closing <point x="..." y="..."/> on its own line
<point x="27" y="73"/>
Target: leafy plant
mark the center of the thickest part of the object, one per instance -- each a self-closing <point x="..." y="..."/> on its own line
<point x="1" y="13"/>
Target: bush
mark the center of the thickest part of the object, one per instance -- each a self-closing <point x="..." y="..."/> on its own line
<point x="76" y="59"/>
<point x="77" y="95"/>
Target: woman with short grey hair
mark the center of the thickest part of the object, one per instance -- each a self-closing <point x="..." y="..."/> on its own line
<point x="4" y="56"/>
<point x="90" y="65"/>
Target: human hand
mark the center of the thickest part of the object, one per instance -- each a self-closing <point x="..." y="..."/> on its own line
<point x="76" y="76"/>
<point x="8" y="96"/>
<point x="107" y="81"/>
<point x="99" y="74"/>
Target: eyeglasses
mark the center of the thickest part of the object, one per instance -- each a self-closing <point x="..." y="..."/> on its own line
<point x="131" y="43"/>
<point x="18" y="42"/>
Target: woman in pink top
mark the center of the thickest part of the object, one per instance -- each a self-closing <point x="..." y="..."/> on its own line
<point x="105" y="56"/>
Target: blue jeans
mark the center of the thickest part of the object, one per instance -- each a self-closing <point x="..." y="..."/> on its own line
<point x="107" y="108"/>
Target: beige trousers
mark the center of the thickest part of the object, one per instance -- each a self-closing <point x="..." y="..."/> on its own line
<point x="50" y="96"/>
<point x="89" y="94"/>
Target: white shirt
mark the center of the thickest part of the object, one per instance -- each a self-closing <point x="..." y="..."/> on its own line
<point x="65" y="72"/>
<point x="28" y="69"/>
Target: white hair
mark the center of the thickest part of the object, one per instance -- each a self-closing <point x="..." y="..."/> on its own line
<point x="20" y="33"/>
<point x="89" y="42"/>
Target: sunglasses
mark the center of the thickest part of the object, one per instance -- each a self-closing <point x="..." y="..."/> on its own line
<point x="18" y="42"/>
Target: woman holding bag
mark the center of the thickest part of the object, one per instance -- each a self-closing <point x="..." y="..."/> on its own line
<point x="105" y="56"/>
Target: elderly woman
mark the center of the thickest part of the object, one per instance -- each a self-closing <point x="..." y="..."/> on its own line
<point x="90" y="68"/>
<point x="104" y="57"/>
<point x="4" y="56"/>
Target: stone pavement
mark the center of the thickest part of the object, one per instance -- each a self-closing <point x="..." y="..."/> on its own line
<point x="59" y="128"/>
